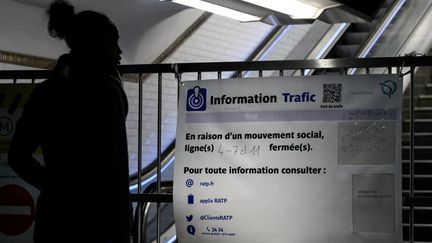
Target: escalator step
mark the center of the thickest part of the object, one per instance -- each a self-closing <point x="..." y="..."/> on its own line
<point x="356" y="37"/>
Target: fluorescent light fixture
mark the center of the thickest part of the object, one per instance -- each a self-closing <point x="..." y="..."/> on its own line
<point x="213" y="8"/>
<point x="296" y="9"/>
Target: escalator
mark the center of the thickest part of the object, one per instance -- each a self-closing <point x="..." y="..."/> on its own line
<point x="349" y="45"/>
<point x="148" y="217"/>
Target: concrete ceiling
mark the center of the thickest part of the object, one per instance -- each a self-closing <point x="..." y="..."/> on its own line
<point x="146" y="13"/>
<point x="133" y="18"/>
<point x="136" y="18"/>
<point x="123" y="12"/>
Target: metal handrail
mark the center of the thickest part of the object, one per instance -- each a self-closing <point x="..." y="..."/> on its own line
<point x="375" y="62"/>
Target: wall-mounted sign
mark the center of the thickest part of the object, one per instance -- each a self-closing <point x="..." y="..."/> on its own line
<point x="289" y="159"/>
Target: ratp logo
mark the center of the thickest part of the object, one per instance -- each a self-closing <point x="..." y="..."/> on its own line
<point x="388" y="87"/>
<point x="196" y="99"/>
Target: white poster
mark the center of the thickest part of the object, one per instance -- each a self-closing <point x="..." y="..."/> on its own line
<point x="289" y="159"/>
<point x="17" y="198"/>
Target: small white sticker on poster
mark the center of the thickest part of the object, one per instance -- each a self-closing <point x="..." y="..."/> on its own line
<point x="373" y="204"/>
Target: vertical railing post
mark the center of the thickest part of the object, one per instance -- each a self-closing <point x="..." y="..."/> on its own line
<point x="159" y="152"/>
<point x="412" y="159"/>
<point x="139" y="161"/>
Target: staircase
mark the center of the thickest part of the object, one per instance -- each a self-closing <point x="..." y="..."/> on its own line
<point x="422" y="155"/>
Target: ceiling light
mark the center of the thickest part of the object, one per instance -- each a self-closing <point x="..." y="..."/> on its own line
<point x="296" y="9"/>
<point x="213" y="8"/>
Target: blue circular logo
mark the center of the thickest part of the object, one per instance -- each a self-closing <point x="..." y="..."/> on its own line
<point x="388" y="87"/>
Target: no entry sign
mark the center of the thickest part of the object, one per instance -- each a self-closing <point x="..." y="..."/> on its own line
<point x="17" y="210"/>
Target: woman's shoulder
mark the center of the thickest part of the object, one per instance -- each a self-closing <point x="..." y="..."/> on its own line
<point x="47" y="83"/>
<point x="45" y="87"/>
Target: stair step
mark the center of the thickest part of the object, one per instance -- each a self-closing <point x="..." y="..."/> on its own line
<point x="417" y="193"/>
<point x="428" y="88"/>
<point x="346" y="50"/>
<point x="420" y="152"/>
<point x="381" y="13"/>
<point x="421" y="87"/>
<point x="418" y="161"/>
<point x="419" y="147"/>
<point x="420" y="139"/>
<point x="419" y="112"/>
<point x="421" y="233"/>
<point x="420" y="125"/>
<point x="361" y="27"/>
<point x="423" y="108"/>
<point x="406" y="98"/>
<point x="421" y="215"/>
<point x="425" y="100"/>
<point x="422" y="184"/>
<point x="419" y="100"/>
<point x="356" y="38"/>
<point x="420" y="169"/>
<point x="419" y="121"/>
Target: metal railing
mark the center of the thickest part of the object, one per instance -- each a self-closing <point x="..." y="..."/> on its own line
<point x="343" y="64"/>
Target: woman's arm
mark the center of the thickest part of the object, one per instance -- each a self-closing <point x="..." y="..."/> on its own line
<point x="24" y="142"/>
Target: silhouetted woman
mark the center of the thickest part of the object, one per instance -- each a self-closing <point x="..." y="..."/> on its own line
<point x="77" y="117"/>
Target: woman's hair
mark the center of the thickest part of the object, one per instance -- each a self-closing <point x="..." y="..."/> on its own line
<point x="61" y="15"/>
<point x="78" y="29"/>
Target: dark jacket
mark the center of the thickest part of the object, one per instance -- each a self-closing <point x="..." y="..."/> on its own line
<point x="78" y="118"/>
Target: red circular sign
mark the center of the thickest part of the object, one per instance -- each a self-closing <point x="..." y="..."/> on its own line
<point x="17" y="210"/>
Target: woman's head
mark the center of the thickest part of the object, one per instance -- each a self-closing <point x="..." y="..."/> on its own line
<point x="89" y="34"/>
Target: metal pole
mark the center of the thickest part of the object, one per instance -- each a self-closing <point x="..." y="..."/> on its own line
<point x="139" y="161"/>
<point x="412" y="131"/>
<point x="159" y="152"/>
